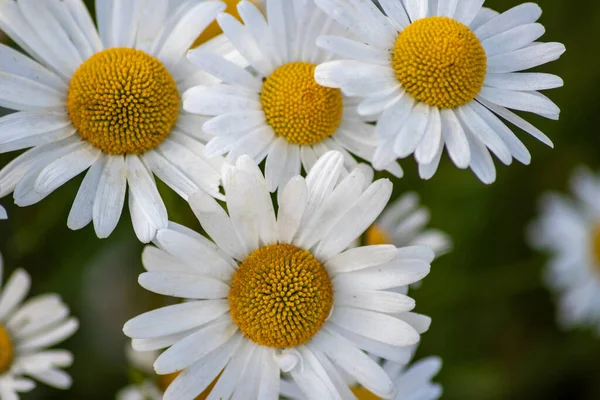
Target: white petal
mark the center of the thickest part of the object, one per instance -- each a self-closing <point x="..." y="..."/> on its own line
<point x="386" y="276"/>
<point x="393" y="353"/>
<point x="431" y="141"/>
<point x="14" y="62"/>
<point x="152" y="15"/>
<point x="201" y="258"/>
<point x="195" y="346"/>
<point x="175" y="319"/>
<point x="356" y="78"/>
<point x="518" y="121"/>
<point x="291" y="208"/>
<point x="519" y="15"/>
<point x="23" y="94"/>
<point x="143" y="188"/>
<point x="235" y="122"/>
<point x="184" y="285"/>
<point x="229" y="379"/>
<point x="356" y="363"/>
<point x="515" y="146"/>
<point x="513" y="39"/>
<point x="467" y="10"/>
<point x="224" y="70"/>
<point x="416" y="9"/>
<point x="484" y="133"/>
<point x="20" y="126"/>
<point x="110" y="196"/>
<point x="184" y="32"/>
<point x="336" y="205"/>
<point x="359" y="258"/>
<point x="65" y="168"/>
<point x="396" y="12"/>
<point x="218" y="225"/>
<point x="322" y="178"/>
<point x="348" y="48"/>
<point x="170" y="174"/>
<point x="446" y="8"/>
<point x="358" y="218"/>
<point x="374" y="300"/>
<point x="481" y="161"/>
<point x="275" y="165"/>
<point x="14" y="291"/>
<point x="524" y="81"/>
<point x="50" y="337"/>
<point x="528" y="57"/>
<point x="192" y="381"/>
<point x="377" y="326"/>
<point x="522" y="101"/>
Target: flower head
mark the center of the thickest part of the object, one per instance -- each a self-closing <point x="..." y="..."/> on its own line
<point x="438" y="74"/>
<point x="569" y="229"/>
<point x="27" y="329"/>
<point x="281" y="293"/>
<point x="281" y="113"/>
<point x="105" y="100"/>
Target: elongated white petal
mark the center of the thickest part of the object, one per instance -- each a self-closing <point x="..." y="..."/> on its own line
<point x="110" y="196"/>
<point x="174" y="319"/>
<point x="356" y="363"/>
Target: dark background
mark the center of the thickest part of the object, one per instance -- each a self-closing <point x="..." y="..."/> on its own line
<point x="493" y="319"/>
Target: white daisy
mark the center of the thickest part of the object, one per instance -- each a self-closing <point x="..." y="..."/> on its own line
<point x="281" y="293"/>
<point x="107" y="101"/>
<point x="437" y="72"/>
<point x="280" y="112"/>
<point x="403" y="224"/>
<point x="569" y="229"/>
<point x="3" y="214"/>
<point x="26" y="331"/>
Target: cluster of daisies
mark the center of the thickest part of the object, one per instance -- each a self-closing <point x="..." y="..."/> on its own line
<point x="302" y="294"/>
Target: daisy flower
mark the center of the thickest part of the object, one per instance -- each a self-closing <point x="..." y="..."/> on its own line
<point x="403" y="224"/>
<point x="27" y="329"/>
<point x="281" y="293"/>
<point x="279" y="112"/>
<point x="569" y="229"/>
<point x="438" y="74"/>
<point x="106" y="101"/>
<point x="3" y="214"/>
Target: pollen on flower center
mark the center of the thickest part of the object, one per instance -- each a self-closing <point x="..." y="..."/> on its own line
<point x="123" y="101"/>
<point x="280" y="296"/>
<point x="6" y="350"/>
<point x="440" y="61"/>
<point x="297" y="107"/>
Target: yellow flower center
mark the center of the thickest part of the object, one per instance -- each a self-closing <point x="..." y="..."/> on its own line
<point x="6" y="350"/>
<point x="165" y="380"/>
<point x="377" y="235"/>
<point x="280" y="296"/>
<point x="440" y="61"/>
<point x="363" y="394"/>
<point x="123" y="101"/>
<point x="596" y="245"/>
<point x="297" y="107"/>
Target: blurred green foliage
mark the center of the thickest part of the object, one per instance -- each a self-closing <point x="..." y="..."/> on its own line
<point x="493" y="319"/>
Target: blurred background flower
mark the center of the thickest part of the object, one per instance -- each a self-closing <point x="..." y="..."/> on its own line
<point x="493" y="318"/>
